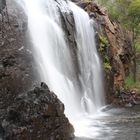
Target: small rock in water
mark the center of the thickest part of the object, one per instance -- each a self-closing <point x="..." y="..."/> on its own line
<point x="128" y="105"/>
<point x="43" y="85"/>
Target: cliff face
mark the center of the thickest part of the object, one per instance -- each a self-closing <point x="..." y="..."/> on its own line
<point x="16" y="73"/>
<point x="113" y="43"/>
<point x="25" y="114"/>
<point x="114" y="46"/>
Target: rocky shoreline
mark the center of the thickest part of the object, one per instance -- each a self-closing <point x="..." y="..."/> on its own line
<point x="127" y="98"/>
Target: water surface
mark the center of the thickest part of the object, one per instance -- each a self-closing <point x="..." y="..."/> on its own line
<point x="119" y="124"/>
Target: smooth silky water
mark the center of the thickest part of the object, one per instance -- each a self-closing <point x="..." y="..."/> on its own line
<point x="83" y="96"/>
<point x="119" y="124"/>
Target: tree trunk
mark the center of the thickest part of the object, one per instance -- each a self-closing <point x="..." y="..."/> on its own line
<point x="134" y="68"/>
<point x="134" y="57"/>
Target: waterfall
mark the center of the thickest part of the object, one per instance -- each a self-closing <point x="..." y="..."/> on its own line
<point x="91" y="74"/>
<point x="55" y="62"/>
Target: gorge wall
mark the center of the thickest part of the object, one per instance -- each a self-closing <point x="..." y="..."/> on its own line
<point x="16" y="65"/>
<point x="27" y="111"/>
<point x="114" y="46"/>
<point x="18" y="70"/>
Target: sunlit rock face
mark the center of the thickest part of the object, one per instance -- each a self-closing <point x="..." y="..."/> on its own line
<point x="36" y="115"/>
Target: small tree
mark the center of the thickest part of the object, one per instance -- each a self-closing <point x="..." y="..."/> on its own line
<point x="134" y="24"/>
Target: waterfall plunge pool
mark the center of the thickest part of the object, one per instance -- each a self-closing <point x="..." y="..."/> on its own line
<point x="116" y="124"/>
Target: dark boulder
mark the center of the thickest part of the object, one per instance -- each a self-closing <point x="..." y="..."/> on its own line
<point x="36" y="115"/>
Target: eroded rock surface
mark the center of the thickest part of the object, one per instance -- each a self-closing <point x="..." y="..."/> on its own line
<point x="16" y="61"/>
<point x="36" y="115"/>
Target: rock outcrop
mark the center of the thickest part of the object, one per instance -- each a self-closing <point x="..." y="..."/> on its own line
<point x="36" y="115"/>
<point x="114" y="45"/>
<point x="16" y="61"/>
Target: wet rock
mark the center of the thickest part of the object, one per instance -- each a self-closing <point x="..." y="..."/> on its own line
<point x="117" y="48"/>
<point x="128" y="105"/>
<point x="17" y="74"/>
<point x="2" y="5"/>
<point x="9" y="61"/>
<point x="43" y="85"/>
<point x="126" y="98"/>
<point x="36" y="115"/>
<point x="68" y="26"/>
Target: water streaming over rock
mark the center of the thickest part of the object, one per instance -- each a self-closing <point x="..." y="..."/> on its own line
<point x="82" y="96"/>
<point x="91" y="74"/>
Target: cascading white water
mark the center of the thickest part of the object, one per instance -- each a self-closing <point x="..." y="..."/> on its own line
<point x="56" y="67"/>
<point x="91" y="74"/>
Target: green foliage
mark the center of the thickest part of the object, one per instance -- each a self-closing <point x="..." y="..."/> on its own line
<point x="103" y="47"/>
<point x="131" y="84"/>
<point x="134" y="10"/>
<point x="103" y="43"/>
<point x="112" y="8"/>
<point x="133" y="18"/>
<point x="137" y="47"/>
<point x="103" y="40"/>
<point x="107" y="66"/>
<point x="126" y="11"/>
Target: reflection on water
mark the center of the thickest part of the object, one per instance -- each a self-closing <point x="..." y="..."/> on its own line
<point x="116" y="124"/>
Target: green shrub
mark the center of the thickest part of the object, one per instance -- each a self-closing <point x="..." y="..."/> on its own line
<point x="131" y="84"/>
<point x="107" y="67"/>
